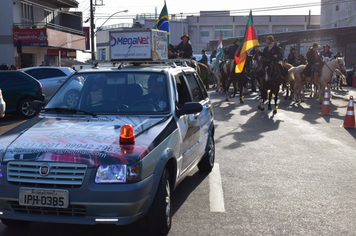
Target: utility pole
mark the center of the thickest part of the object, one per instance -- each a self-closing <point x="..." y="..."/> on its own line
<point x="92" y="26"/>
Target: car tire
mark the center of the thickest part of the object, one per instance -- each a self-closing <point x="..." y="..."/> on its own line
<point x="206" y="164"/>
<point x="24" y="109"/>
<point x="71" y="98"/>
<point x="14" y="223"/>
<point x="159" y="217"/>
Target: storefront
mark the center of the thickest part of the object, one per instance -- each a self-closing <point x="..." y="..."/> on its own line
<point x="32" y="46"/>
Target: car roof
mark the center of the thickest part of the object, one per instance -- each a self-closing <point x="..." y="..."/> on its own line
<point x="142" y="67"/>
<point x="64" y="69"/>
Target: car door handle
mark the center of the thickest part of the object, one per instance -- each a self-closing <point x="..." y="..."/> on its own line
<point x="196" y="116"/>
<point x="61" y="81"/>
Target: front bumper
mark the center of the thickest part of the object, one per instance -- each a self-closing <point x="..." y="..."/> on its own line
<point x="89" y="203"/>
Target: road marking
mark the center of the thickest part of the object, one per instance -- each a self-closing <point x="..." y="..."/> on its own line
<point x="216" y="195"/>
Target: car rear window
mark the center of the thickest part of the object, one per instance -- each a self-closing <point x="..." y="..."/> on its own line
<point x="8" y="79"/>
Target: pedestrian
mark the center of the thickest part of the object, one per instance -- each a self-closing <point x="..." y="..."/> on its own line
<point x="204" y="58"/>
<point x="74" y="68"/>
<point x="326" y="52"/>
<point x="184" y="49"/>
<point x="43" y="63"/>
<point x="213" y="55"/>
<point x="338" y="54"/>
<point x="12" y="67"/>
<point x="291" y="57"/>
<point x="3" y="66"/>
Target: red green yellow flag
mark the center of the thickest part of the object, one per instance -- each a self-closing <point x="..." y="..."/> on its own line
<point x="250" y="40"/>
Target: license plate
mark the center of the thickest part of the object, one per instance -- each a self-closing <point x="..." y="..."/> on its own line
<point x="44" y="197"/>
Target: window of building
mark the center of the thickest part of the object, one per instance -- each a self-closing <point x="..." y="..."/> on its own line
<point x="102" y="54"/>
<point x="204" y="33"/>
<point x="226" y="31"/>
<point x="337" y="7"/>
<point x="260" y="31"/>
<point x="26" y="14"/>
<point x="241" y="33"/>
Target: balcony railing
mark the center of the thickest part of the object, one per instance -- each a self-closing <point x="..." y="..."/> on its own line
<point x="37" y="25"/>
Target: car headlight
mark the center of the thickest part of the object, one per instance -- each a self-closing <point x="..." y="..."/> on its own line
<point x="118" y="173"/>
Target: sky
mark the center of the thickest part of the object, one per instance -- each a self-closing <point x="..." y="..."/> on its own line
<point x="193" y="7"/>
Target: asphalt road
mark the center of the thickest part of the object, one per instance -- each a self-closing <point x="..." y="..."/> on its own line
<point x="291" y="173"/>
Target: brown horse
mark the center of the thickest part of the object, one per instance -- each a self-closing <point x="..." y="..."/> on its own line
<point x="271" y="77"/>
<point x="229" y="76"/>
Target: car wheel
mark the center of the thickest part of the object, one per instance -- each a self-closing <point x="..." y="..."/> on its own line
<point x="159" y="217"/>
<point x="14" y="223"/>
<point x="71" y="98"/>
<point x="24" y="108"/>
<point x="206" y="164"/>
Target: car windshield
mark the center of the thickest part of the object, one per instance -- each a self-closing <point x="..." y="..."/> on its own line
<point x="113" y="93"/>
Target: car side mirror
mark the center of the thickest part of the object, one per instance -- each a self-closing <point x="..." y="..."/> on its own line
<point x="37" y="105"/>
<point x="189" y="108"/>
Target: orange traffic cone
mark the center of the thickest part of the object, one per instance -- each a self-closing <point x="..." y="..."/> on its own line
<point x="349" y="121"/>
<point x="325" y="108"/>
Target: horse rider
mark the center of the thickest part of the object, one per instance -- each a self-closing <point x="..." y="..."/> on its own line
<point x="314" y="64"/>
<point x="326" y="52"/>
<point x="204" y="58"/>
<point x="291" y="57"/>
<point x="272" y="54"/>
<point x="231" y="50"/>
<point x="184" y="48"/>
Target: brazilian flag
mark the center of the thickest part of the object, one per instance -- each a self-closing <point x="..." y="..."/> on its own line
<point x="163" y="21"/>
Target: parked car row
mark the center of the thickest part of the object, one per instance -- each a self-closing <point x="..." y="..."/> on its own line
<point x="21" y="87"/>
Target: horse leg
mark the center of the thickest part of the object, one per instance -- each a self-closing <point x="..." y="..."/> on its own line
<point x="227" y="85"/>
<point x="241" y="87"/>
<point x="234" y="89"/>
<point x="269" y="100"/>
<point x="275" y="103"/>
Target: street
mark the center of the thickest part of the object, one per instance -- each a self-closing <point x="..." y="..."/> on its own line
<point x="291" y="173"/>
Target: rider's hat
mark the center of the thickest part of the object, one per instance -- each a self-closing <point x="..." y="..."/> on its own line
<point x="338" y="54"/>
<point x="293" y="49"/>
<point x="185" y="36"/>
<point x="326" y="45"/>
<point x="236" y="41"/>
<point x="270" y="37"/>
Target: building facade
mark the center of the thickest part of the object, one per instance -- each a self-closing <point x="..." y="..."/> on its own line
<point x="39" y="30"/>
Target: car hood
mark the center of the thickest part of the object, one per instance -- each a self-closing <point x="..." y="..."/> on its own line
<point x="92" y="141"/>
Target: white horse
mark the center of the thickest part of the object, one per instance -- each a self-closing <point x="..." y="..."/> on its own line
<point x="325" y="77"/>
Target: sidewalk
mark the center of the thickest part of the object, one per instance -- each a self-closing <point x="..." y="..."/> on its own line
<point x="345" y="93"/>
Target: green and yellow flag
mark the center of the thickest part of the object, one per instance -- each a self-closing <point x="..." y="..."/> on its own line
<point x="163" y="21"/>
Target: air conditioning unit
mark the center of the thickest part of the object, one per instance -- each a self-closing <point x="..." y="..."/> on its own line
<point x="285" y="29"/>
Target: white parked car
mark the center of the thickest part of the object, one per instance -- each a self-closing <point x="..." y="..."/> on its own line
<point x="50" y="77"/>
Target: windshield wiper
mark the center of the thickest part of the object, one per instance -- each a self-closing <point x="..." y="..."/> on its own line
<point x="71" y="110"/>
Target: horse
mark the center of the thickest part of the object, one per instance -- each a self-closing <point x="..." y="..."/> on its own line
<point x="229" y="76"/>
<point x="270" y="80"/>
<point x="288" y="82"/>
<point x="324" y="78"/>
<point x="337" y="80"/>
